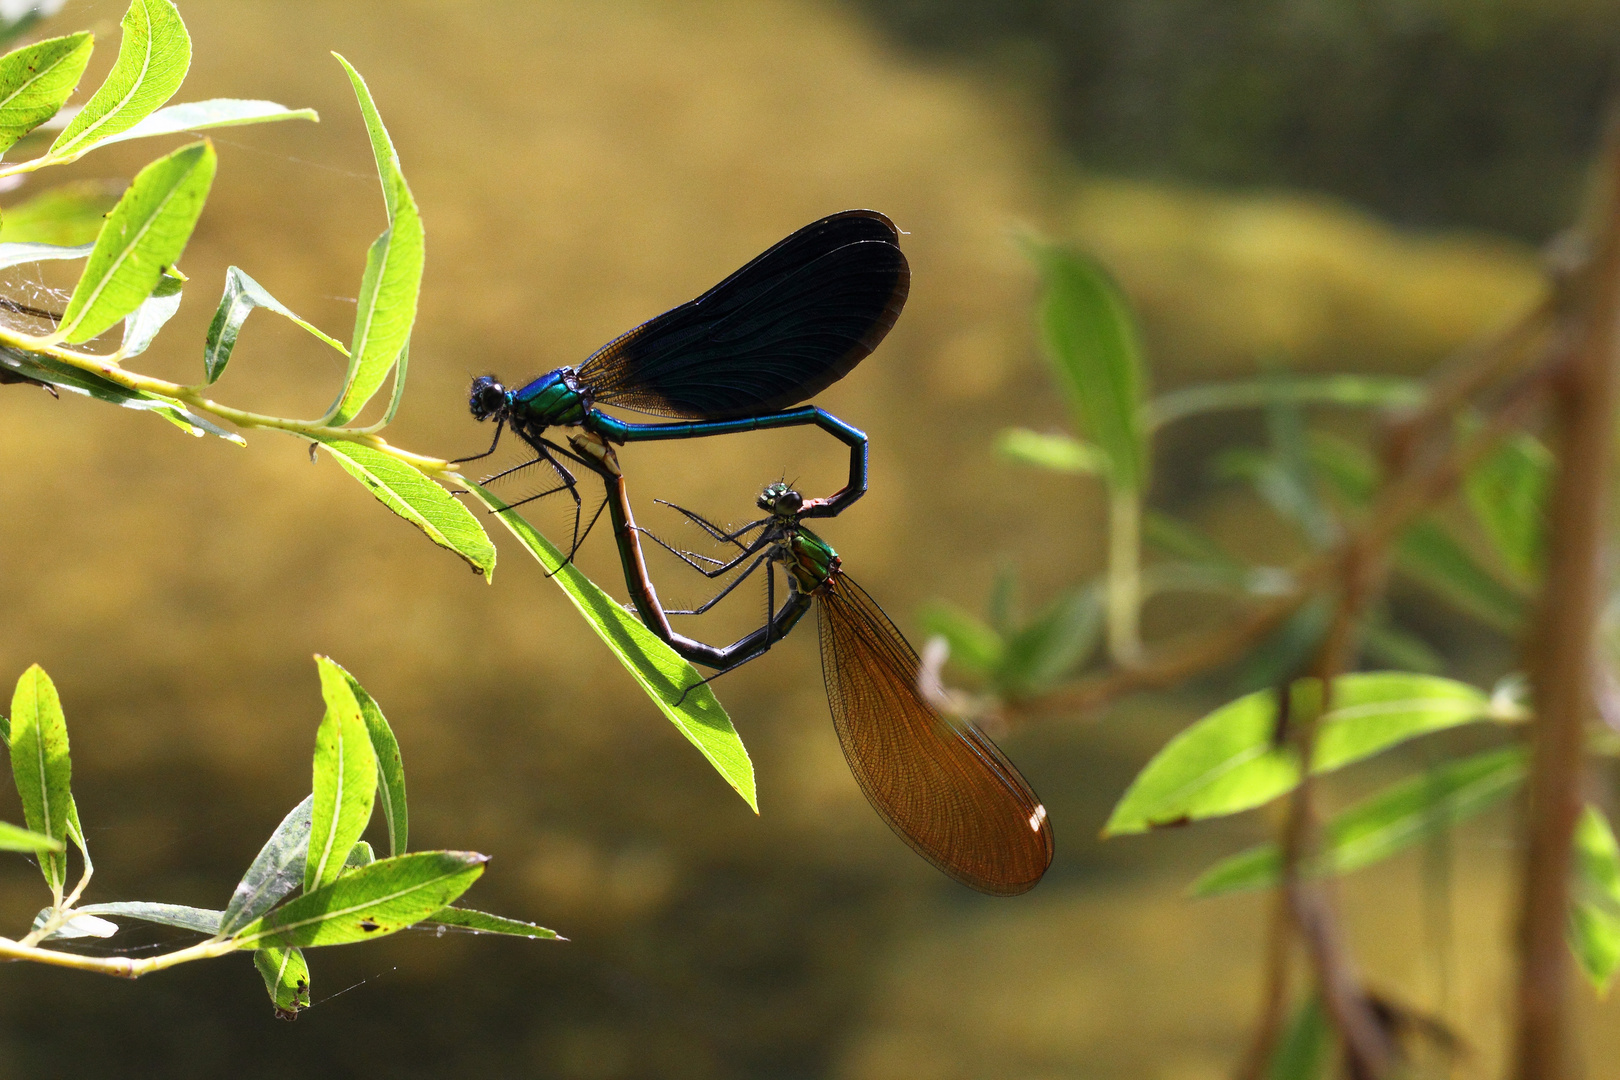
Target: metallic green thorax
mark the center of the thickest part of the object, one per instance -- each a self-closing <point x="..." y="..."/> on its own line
<point x="553" y="400"/>
<point x="813" y="560"/>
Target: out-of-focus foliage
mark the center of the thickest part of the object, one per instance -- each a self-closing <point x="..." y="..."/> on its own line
<point x="1432" y="111"/>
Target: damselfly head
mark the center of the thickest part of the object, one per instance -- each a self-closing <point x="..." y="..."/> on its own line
<point x="781" y="500"/>
<point x="488" y="397"/>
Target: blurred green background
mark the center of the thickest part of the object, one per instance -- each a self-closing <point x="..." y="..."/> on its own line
<point x="1327" y="184"/>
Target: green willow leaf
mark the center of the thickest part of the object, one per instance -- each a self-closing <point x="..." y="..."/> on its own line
<point x="63" y="216"/>
<point x="1385" y="823"/>
<point x="144" y="236"/>
<point x="1508" y="494"/>
<point x="408" y="492"/>
<point x="16" y="254"/>
<point x="1305" y="1051"/>
<point x="143" y="324"/>
<point x="345" y="779"/>
<point x="393" y="277"/>
<point x="1230" y="761"/>
<point x="36" y="79"/>
<point x="1090" y="336"/>
<point x="359" y="855"/>
<point x="41" y="767"/>
<point x="1052" y="645"/>
<point x="1597" y="856"/>
<point x="277" y="870"/>
<point x="286" y="979"/>
<point x="202" y="920"/>
<point x="1594" y="938"/>
<point x="17" y="365"/>
<point x="390" y="767"/>
<point x="663" y="675"/>
<point x="1347" y="390"/>
<point x="1060" y="453"/>
<point x="481" y="922"/>
<point x="17" y="838"/>
<point x="369" y="902"/>
<point x="242" y="295"/>
<point x="974" y="645"/>
<point x="213" y="113"/>
<point x="152" y="61"/>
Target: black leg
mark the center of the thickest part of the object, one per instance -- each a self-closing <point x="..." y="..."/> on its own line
<point x="723" y="593"/>
<point x="714" y="530"/>
<point x="718" y="568"/>
<point x="499" y="426"/>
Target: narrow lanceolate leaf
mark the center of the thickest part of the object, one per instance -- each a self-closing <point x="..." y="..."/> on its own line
<point x="1305" y="1052"/>
<point x="145" y="235"/>
<point x="393" y="277"/>
<point x="1508" y="494"/>
<point x="1379" y="391"/>
<point x="359" y="855"/>
<point x="1432" y="557"/>
<point x="152" y="61"/>
<point x="75" y="835"/>
<point x="1057" y="640"/>
<point x="277" y="870"/>
<point x="345" y="779"/>
<point x="16" y="254"/>
<point x="17" y="838"/>
<point x="663" y="675"/>
<point x="202" y="920"/>
<point x="41" y="766"/>
<point x="480" y="922"/>
<point x="1594" y="938"/>
<point x="1231" y="761"/>
<point x="213" y="113"/>
<point x="390" y="767"/>
<point x="1597" y="856"/>
<point x="370" y="902"/>
<point x="1060" y="453"/>
<point x="1384" y="824"/>
<point x="242" y="295"/>
<point x="143" y="324"/>
<point x="974" y="644"/>
<point x="286" y="979"/>
<point x="1090" y="335"/>
<point x="408" y="492"/>
<point x="36" y="79"/>
<point x="62" y="216"/>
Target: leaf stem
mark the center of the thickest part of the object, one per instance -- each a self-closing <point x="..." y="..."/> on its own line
<point x="108" y="367"/>
<point x="1124" y="575"/>
<point x="121" y="966"/>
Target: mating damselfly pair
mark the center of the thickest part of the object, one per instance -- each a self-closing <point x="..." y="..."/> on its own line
<point x="745" y="356"/>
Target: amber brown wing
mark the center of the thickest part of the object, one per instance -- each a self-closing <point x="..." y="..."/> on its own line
<point x="944" y="787"/>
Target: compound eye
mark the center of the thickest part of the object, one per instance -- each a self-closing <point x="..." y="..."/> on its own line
<point x="791" y="501"/>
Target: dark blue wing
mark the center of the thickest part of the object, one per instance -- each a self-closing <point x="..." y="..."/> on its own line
<point x="780" y="330"/>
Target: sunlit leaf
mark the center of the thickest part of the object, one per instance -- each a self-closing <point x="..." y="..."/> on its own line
<point x="78" y="925"/>
<point x="41" y="767"/>
<point x="390" y="766"/>
<point x="152" y="61"/>
<point x="664" y="676"/>
<point x="1385" y="823"/>
<point x="1508" y="494"/>
<point x="359" y="855"/>
<point x="1090" y="336"/>
<point x="36" y="79"/>
<point x="242" y="295"/>
<point x="1231" y="760"/>
<point x="408" y="492"/>
<point x="145" y="235"/>
<point x="1060" y="453"/>
<point x="277" y="870"/>
<point x="202" y="920"/>
<point x="286" y="979"/>
<point x="66" y="215"/>
<point x="1597" y="856"/>
<point x="369" y="902"/>
<point x="388" y="291"/>
<point x="17" y="838"/>
<point x="480" y="922"/>
<point x="345" y="779"/>
<point x="143" y="324"/>
<point x="213" y="113"/>
<point x="37" y="367"/>
<point x="1594" y="938"/>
